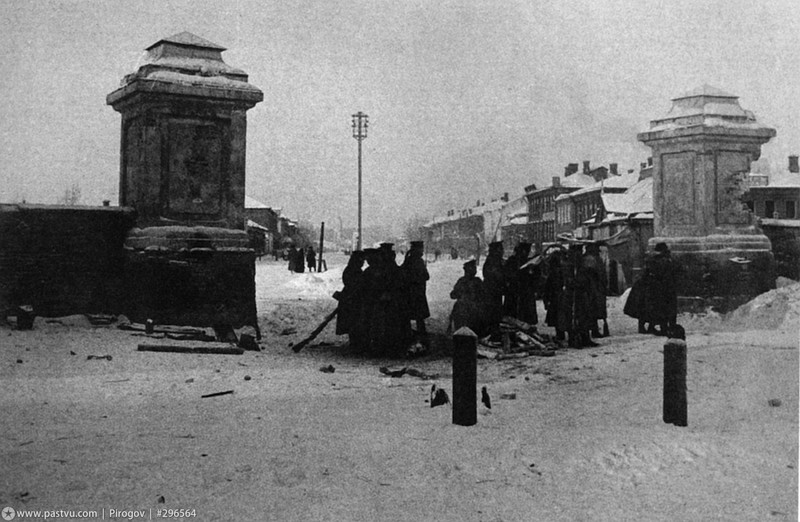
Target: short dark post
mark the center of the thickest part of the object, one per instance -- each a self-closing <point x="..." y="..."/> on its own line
<point x="465" y="376"/>
<point x="321" y="245"/>
<point x="675" y="382"/>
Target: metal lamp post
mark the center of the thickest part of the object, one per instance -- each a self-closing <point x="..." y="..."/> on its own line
<point x="360" y="122"/>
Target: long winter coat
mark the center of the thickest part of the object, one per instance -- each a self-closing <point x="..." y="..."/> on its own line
<point x="661" y="274"/>
<point x="470" y="307"/>
<point x="415" y="278"/>
<point x="494" y="284"/>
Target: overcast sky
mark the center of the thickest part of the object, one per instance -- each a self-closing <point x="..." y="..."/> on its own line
<point x="466" y="99"/>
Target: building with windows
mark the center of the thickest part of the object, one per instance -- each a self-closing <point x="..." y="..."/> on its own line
<point x="576" y="208"/>
<point x="775" y="196"/>
<point x="775" y="200"/>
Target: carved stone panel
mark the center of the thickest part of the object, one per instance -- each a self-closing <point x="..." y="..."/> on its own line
<point x="731" y="170"/>
<point x="195" y="168"/>
<point x="678" y="190"/>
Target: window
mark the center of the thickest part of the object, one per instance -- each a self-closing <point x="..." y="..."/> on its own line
<point x="769" y="208"/>
<point x="750" y="205"/>
<point x="790" y="210"/>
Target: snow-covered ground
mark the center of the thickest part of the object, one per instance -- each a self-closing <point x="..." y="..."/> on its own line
<point x="582" y="440"/>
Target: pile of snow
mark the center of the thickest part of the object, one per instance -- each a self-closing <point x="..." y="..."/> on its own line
<point x="776" y="309"/>
<point x="314" y="284"/>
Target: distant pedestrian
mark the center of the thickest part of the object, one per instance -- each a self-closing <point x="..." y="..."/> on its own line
<point x="299" y="261"/>
<point x="311" y="259"/>
<point x="292" y="255"/>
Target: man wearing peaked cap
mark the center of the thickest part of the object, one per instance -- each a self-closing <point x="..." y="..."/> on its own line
<point x="468" y="309"/>
<point x="415" y="278"/>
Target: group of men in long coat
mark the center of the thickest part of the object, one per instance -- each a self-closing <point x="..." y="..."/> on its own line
<point x="378" y="303"/>
<point x="570" y="282"/>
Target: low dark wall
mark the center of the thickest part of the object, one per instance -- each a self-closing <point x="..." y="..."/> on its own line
<point x="194" y="287"/>
<point x="785" y="241"/>
<point x="63" y="260"/>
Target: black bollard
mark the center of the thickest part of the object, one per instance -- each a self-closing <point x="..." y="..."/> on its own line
<point x="675" y="382"/>
<point x="465" y="376"/>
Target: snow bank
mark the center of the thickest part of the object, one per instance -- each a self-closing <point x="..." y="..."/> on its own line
<point x="313" y="284"/>
<point x="776" y="309"/>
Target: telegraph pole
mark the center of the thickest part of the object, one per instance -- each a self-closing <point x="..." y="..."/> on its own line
<point x="360" y="123"/>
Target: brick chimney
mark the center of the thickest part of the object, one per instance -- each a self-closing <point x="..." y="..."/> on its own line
<point x="612" y="167"/>
<point x="586" y="167"/>
<point x="556" y="181"/>
<point x="570" y="169"/>
<point x="793" y="166"/>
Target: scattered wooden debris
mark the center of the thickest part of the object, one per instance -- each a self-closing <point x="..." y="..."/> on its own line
<point x="327" y="369"/>
<point x="224" y="333"/>
<point x="175" y="348"/>
<point x="485" y="399"/>
<point x="101" y="319"/>
<point x="248" y="342"/>
<point x="392" y="373"/>
<point x="90" y="357"/>
<point x="438" y="397"/>
<point x="299" y="346"/>
<point x="216" y="394"/>
<point x="422" y="375"/>
<point x="162" y="328"/>
<point x="203" y="337"/>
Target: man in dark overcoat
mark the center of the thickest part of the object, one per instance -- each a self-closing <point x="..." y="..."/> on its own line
<point x="593" y="264"/>
<point x="575" y="314"/>
<point x="416" y="278"/>
<point x="522" y="276"/>
<point x="661" y="297"/>
<point x="351" y="300"/>
<point x="469" y="308"/>
<point x="553" y="294"/>
<point x="494" y="285"/>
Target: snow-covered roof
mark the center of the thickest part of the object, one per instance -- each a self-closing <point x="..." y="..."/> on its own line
<point x="784" y="179"/>
<point x="187" y="38"/>
<point x="492" y="206"/>
<point x="254" y="203"/>
<point x="253" y="224"/>
<point x="624" y="181"/>
<point x="578" y="180"/>
<point x="637" y="199"/>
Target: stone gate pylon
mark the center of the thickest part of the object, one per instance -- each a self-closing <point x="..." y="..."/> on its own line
<point x="702" y="151"/>
<point x="182" y="168"/>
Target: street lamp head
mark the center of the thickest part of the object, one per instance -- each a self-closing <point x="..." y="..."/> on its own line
<point x="360" y="124"/>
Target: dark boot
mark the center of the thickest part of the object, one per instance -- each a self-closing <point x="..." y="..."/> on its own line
<point x="573" y="341"/>
<point x="587" y="341"/>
